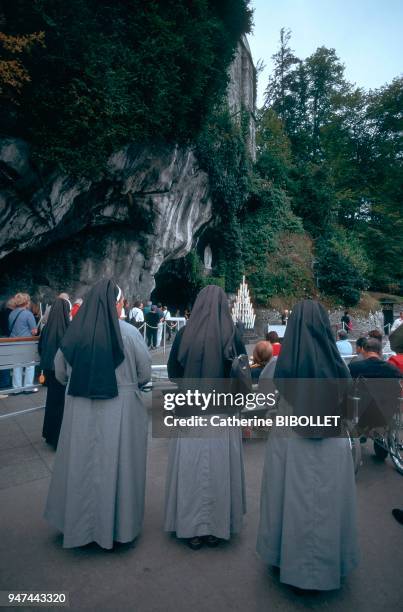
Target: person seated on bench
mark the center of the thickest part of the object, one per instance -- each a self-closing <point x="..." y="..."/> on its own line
<point x="273" y="338"/>
<point x="359" y="345"/>
<point x="377" y="399"/>
<point x="344" y="346"/>
<point x="262" y="353"/>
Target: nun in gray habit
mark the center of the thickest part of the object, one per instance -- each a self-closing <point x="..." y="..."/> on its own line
<point x="205" y="492"/>
<point x="308" y="500"/>
<point x="97" y="488"/>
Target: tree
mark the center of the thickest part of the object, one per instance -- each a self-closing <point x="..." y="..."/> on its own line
<point x="341" y="266"/>
<point x="115" y="72"/>
<point x="13" y="72"/>
<point x="274" y="155"/>
<point x="278" y="92"/>
<point x="384" y="175"/>
<point x="335" y="150"/>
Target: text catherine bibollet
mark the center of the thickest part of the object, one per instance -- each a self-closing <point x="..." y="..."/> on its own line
<point x="250" y="401"/>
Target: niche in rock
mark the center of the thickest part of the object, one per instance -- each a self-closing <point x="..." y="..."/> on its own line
<point x="176" y="284"/>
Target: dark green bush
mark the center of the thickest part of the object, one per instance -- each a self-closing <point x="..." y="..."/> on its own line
<point x="114" y="71"/>
<point x="222" y="152"/>
<point x="341" y="267"/>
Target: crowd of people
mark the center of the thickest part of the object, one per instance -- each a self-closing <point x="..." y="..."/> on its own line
<point x="155" y="317"/>
<point x="96" y="363"/>
<point x="21" y="318"/>
<point x="372" y="343"/>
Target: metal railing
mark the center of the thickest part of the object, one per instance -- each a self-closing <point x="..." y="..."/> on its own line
<point x="158" y="373"/>
<point x="18" y="353"/>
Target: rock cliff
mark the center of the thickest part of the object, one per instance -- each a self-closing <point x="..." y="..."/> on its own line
<point x="62" y="233"/>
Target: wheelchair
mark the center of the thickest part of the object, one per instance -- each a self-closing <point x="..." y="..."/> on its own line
<point x="386" y="434"/>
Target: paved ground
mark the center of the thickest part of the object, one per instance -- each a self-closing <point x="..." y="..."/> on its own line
<point x="161" y="574"/>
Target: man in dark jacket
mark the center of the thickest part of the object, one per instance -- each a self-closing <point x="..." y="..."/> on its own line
<point x="152" y="319"/>
<point x="372" y="365"/>
<point x="378" y="398"/>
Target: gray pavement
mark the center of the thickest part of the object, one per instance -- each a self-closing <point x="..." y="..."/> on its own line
<point x="161" y="574"/>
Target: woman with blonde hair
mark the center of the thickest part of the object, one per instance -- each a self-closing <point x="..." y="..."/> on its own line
<point x="22" y="324"/>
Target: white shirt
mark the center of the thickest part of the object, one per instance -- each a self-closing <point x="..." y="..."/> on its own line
<point x="167" y="315"/>
<point x="136" y="314"/>
<point x="396" y="324"/>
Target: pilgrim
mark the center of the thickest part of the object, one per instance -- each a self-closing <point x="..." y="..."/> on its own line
<point x="97" y="488"/>
<point x="49" y="343"/>
<point x="308" y="499"/>
<point x="205" y="492"/>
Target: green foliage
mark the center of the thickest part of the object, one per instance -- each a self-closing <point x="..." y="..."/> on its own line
<point x="336" y="151"/>
<point x="277" y="259"/>
<point x="278" y="91"/>
<point x="222" y="153"/>
<point x="114" y="72"/>
<point x="273" y="146"/>
<point x="313" y="196"/>
<point x="213" y="280"/>
<point x="341" y="266"/>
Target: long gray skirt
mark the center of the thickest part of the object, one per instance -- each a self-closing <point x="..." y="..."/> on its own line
<point x="205" y="492"/>
<point x="97" y="488"/>
<point x="308" y="511"/>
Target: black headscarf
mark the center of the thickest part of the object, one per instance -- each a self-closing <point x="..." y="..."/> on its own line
<point x="207" y="346"/>
<point x="53" y="333"/>
<point x="93" y="344"/>
<point x="310" y="358"/>
<point x="396" y="340"/>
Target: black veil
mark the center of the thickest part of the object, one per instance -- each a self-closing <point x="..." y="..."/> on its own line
<point x="396" y="340"/>
<point x="207" y="346"/>
<point x="53" y="333"/>
<point x="310" y="373"/>
<point x="93" y="344"/>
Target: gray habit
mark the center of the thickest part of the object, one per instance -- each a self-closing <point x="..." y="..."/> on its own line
<point x="205" y="493"/>
<point x="97" y="488"/>
<point x="308" y="510"/>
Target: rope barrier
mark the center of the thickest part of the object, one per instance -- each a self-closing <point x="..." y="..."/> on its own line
<point x="162" y="326"/>
<point x="170" y="325"/>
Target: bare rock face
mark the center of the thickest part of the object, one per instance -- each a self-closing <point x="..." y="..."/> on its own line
<point x="66" y="233"/>
<point x="241" y="92"/>
<point x="147" y="207"/>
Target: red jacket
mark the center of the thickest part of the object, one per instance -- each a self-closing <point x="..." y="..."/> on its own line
<point x="75" y="310"/>
<point x="397" y="360"/>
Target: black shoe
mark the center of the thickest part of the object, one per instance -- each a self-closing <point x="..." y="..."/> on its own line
<point x="398" y="514"/>
<point x="195" y="543"/>
<point x="303" y="592"/>
<point x="212" y="541"/>
<point x="29" y="391"/>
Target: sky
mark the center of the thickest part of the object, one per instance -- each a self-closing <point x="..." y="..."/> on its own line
<point x="367" y="35"/>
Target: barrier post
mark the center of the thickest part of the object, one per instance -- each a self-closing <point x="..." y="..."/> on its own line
<point x="164" y="335"/>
